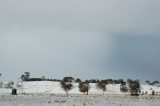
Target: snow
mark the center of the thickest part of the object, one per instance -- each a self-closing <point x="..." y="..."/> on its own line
<point x="50" y="93"/>
<point x="113" y="89"/>
<point x="5" y="91"/>
<point x="52" y="87"/>
<point x="78" y="100"/>
<point x="45" y="87"/>
<point x="150" y="88"/>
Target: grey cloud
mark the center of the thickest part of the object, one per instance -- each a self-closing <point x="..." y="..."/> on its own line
<point x="136" y="56"/>
<point x="100" y="16"/>
<point x="56" y="52"/>
<point x="79" y="38"/>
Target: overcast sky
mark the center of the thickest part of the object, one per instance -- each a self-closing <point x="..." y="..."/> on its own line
<point x="85" y="39"/>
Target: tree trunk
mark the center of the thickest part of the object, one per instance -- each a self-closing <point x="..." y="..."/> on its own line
<point x="87" y="93"/>
<point x="67" y="93"/>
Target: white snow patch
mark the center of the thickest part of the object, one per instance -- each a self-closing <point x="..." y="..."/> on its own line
<point x="52" y="87"/>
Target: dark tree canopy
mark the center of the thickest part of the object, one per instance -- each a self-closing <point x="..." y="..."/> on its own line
<point x="134" y="86"/>
<point x="66" y="86"/>
<point x="123" y="89"/>
<point x="25" y="76"/>
<point x="84" y="87"/>
<point x="78" y="80"/>
<point x="68" y="79"/>
<point x="102" y="85"/>
<point x="152" y="83"/>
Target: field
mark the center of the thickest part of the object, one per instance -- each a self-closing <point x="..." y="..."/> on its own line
<point x="78" y="100"/>
<point x="49" y="93"/>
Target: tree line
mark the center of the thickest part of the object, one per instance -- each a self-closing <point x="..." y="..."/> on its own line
<point x="132" y="86"/>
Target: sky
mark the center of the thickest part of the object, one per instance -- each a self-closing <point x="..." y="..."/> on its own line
<point x="87" y="39"/>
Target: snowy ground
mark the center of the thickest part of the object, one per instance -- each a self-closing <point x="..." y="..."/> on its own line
<point x="49" y="93"/>
<point x="78" y="100"/>
<point x="51" y="87"/>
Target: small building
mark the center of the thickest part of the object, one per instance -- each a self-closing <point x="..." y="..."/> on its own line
<point x="14" y="91"/>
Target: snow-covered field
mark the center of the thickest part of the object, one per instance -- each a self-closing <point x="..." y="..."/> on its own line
<point x="51" y="87"/>
<point x="49" y="93"/>
<point x="79" y="100"/>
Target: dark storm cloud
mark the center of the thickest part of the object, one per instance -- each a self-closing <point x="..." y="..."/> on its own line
<point x="136" y="56"/>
